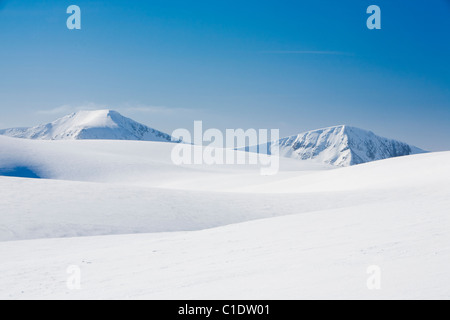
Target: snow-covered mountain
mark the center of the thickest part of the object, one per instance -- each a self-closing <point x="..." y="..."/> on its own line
<point x="340" y="146"/>
<point x="99" y="124"/>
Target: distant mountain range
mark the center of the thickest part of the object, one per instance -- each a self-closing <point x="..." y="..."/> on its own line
<point x="100" y="124"/>
<point x="339" y="146"/>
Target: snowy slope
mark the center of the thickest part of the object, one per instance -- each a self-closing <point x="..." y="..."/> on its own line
<point x="139" y="163"/>
<point x="321" y="250"/>
<point x="176" y="199"/>
<point x="142" y="227"/>
<point x="141" y="190"/>
<point x="317" y="255"/>
<point x="136" y="178"/>
<point x="340" y="146"/>
<point x="100" y="124"/>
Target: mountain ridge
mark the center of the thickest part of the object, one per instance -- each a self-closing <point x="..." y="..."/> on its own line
<point x="82" y="125"/>
<point x="340" y="146"/>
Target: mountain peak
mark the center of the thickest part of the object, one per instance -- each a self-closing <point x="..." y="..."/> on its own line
<point x="96" y="124"/>
<point x="92" y="118"/>
<point x="342" y="145"/>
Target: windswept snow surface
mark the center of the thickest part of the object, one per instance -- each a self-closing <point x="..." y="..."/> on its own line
<point x="340" y="146"/>
<point x="142" y="227"/>
<point x="99" y="124"/>
<point x="137" y="163"/>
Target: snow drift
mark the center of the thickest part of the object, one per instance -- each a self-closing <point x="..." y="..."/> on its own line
<point x="314" y="239"/>
<point x="116" y="187"/>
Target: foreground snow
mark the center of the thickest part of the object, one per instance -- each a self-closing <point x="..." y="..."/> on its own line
<point x="218" y="232"/>
<point x="323" y="254"/>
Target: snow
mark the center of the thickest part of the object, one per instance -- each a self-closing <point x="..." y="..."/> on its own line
<point x="340" y="146"/>
<point x="99" y="124"/>
<point x="138" y="163"/>
<point x="318" y="254"/>
<point x="140" y="227"/>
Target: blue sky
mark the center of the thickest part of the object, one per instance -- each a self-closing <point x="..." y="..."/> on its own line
<point x="292" y="65"/>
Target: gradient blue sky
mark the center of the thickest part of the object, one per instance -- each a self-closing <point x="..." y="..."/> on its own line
<point x="293" y="65"/>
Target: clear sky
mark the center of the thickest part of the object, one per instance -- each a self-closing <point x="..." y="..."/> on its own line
<point x="292" y="65"/>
